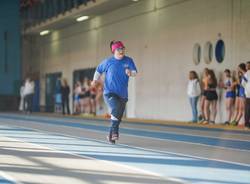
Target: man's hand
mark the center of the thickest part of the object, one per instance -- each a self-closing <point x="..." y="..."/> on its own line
<point x="128" y="72"/>
<point x="94" y="83"/>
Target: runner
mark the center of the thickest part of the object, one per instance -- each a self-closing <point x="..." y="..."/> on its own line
<point x="117" y="68"/>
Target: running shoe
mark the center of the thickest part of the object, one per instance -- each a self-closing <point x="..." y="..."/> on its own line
<point x="110" y="140"/>
<point x="115" y="137"/>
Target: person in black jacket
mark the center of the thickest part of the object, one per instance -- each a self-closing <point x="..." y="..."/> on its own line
<point x="65" y="91"/>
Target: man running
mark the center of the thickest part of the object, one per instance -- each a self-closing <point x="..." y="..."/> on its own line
<point x="117" y="68"/>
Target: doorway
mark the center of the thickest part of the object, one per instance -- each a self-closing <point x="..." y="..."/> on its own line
<point x="53" y="85"/>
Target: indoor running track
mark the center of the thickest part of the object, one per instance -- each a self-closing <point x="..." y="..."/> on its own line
<point x="38" y="149"/>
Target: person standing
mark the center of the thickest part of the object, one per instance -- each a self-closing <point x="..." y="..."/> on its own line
<point x="211" y="98"/>
<point x="117" y="68"/>
<point x="65" y="91"/>
<point x="240" y="97"/>
<point x="76" y="95"/>
<point x="194" y="91"/>
<point x="246" y="84"/>
<point x="204" y="88"/>
<point x="229" y="86"/>
<point x="21" y="105"/>
<point x="28" y="93"/>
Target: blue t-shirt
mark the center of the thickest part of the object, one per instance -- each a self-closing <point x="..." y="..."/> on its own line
<point x="116" y="80"/>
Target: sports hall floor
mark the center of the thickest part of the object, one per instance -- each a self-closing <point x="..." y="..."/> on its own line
<point x="42" y="149"/>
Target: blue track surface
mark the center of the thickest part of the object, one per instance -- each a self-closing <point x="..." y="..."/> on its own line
<point x="225" y="143"/>
<point x="187" y="168"/>
<point x="165" y="164"/>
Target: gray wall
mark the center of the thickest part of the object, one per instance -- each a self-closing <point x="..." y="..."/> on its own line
<point x="159" y="35"/>
<point x="9" y="47"/>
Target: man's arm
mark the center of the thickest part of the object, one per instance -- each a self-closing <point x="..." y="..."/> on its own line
<point x="131" y="73"/>
<point x="96" y="78"/>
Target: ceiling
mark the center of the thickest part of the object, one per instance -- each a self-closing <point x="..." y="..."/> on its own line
<point x="92" y="9"/>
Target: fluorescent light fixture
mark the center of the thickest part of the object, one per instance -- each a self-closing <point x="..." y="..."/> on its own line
<point x="45" y="32"/>
<point x="82" y="18"/>
<point x="135" y="0"/>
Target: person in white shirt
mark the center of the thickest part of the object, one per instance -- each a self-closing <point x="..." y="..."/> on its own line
<point x="193" y="91"/>
<point x="28" y="93"/>
<point x="21" y="105"/>
<point x="246" y="84"/>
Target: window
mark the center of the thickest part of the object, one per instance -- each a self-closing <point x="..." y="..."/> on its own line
<point x="220" y="51"/>
<point x="208" y="52"/>
<point x="196" y="54"/>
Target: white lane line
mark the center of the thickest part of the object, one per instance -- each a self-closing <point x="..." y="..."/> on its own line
<point x="9" y="178"/>
<point x="199" y="144"/>
<point x="142" y="136"/>
<point x="136" y="147"/>
<point x="146" y="130"/>
<point x="103" y="161"/>
<point x="189" y="134"/>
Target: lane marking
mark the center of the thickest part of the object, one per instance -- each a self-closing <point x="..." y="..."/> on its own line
<point x="56" y="120"/>
<point x="143" y="136"/>
<point x="104" y="161"/>
<point x="136" y="147"/>
<point x="9" y="178"/>
<point x="75" y="119"/>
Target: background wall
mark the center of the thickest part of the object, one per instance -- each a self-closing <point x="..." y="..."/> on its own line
<point x="159" y="35"/>
<point x="9" y="46"/>
<point x="9" y="54"/>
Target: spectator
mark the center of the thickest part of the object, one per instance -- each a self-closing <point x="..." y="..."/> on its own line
<point x="246" y="84"/>
<point x="85" y="97"/>
<point x="211" y="98"/>
<point x="193" y="91"/>
<point x="229" y="86"/>
<point x="203" y="95"/>
<point x="21" y="105"/>
<point x="65" y="91"/>
<point x="77" y="91"/>
<point x="28" y="92"/>
<point x="93" y="91"/>
<point x="240" y="96"/>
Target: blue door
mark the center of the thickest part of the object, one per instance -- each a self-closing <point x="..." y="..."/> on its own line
<point x="53" y="85"/>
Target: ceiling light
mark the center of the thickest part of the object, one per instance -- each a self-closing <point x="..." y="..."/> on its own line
<point x="135" y="0"/>
<point x="82" y="18"/>
<point x="45" y="32"/>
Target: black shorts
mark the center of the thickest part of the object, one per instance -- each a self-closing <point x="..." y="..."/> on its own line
<point x="81" y="96"/>
<point x="92" y="96"/>
<point x="87" y="94"/>
<point x="211" y="95"/>
<point x="204" y="93"/>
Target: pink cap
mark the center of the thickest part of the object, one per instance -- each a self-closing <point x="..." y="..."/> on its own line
<point x="117" y="45"/>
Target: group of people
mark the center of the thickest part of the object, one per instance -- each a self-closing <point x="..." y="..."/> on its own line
<point x="87" y="98"/>
<point x="119" y="67"/>
<point x="237" y="95"/>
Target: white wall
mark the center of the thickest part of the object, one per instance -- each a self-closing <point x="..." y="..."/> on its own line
<point x="159" y="35"/>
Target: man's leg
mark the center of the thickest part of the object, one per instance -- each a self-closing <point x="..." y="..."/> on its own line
<point x="111" y="102"/>
<point x="116" y="107"/>
<point x="25" y="103"/>
<point x="120" y="108"/>
<point x="63" y="106"/>
<point x="67" y="105"/>
<point x="28" y="103"/>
